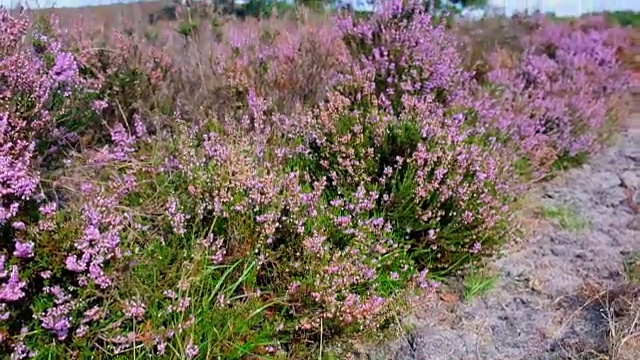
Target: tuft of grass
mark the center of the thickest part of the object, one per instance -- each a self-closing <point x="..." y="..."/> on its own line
<point x="632" y="268"/>
<point x="566" y="217"/>
<point x="623" y="314"/>
<point x="620" y="308"/>
<point x="478" y="283"/>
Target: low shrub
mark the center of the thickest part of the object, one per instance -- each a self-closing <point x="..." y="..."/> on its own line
<point x="624" y="18"/>
<point x="407" y="117"/>
<point x="560" y="94"/>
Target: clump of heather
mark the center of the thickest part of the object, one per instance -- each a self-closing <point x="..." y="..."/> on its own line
<point x="396" y="62"/>
<point x="287" y="63"/>
<point x="396" y="177"/>
<point x="38" y="83"/>
<point x="30" y="86"/>
<point x="558" y="93"/>
<point x="80" y="261"/>
<point x="194" y="228"/>
<point x="350" y="189"/>
<point x="406" y="124"/>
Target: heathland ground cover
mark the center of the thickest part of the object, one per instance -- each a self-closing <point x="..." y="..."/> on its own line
<point x="211" y="188"/>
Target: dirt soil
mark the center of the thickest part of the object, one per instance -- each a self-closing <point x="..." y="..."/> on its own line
<point x="543" y="305"/>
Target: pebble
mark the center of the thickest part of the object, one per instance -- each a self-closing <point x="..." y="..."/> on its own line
<point x="607" y="179"/>
<point x="632" y="154"/>
<point x="612" y="198"/>
<point x="630" y="179"/>
<point x="634" y="224"/>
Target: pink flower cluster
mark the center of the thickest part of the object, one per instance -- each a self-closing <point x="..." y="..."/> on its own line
<point x="559" y="95"/>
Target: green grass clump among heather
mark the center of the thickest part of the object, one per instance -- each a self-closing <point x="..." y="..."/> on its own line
<point x="625" y="18"/>
<point x="215" y="188"/>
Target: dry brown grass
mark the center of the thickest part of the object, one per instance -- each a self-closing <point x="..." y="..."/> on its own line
<point x="203" y="69"/>
<point x="620" y="308"/>
<point x="109" y="15"/>
<point x="623" y="316"/>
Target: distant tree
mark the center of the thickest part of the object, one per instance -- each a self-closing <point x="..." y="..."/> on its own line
<point x="470" y="3"/>
<point x="443" y="4"/>
<point x="453" y="4"/>
<point x="167" y="13"/>
<point x="624" y="18"/>
<point x="317" y="4"/>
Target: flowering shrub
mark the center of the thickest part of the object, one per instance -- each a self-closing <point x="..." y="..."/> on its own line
<point x="291" y="66"/>
<point x="559" y="92"/>
<point x="248" y="190"/>
<point x="406" y="124"/>
<point x="38" y="84"/>
<point x="85" y="259"/>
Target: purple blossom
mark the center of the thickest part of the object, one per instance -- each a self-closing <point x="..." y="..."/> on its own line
<point x="134" y="309"/>
<point x="56" y="321"/>
<point x="21" y="352"/>
<point x="12" y="290"/>
<point x="161" y="347"/>
<point x="3" y="271"/>
<point x="81" y="331"/>
<point x="176" y="217"/>
<point x="23" y="250"/>
<point x="99" y="105"/>
<point x="64" y="68"/>
<point x="191" y="351"/>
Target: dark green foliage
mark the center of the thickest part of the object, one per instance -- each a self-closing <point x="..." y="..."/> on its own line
<point x="624" y="18"/>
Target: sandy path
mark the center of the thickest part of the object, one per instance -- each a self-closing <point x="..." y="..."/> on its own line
<point x="537" y="308"/>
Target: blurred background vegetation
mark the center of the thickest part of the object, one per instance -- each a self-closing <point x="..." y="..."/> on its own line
<point x="625" y="18"/>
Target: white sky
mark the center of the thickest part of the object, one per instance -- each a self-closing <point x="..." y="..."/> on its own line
<point x="567" y="7"/>
<point x="560" y="7"/>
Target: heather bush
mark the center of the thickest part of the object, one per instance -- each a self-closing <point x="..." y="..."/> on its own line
<point x="290" y="64"/>
<point x="559" y="93"/>
<point x="86" y="266"/>
<point x="164" y="238"/>
<point x="406" y="124"/>
<point x="40" y="84"/>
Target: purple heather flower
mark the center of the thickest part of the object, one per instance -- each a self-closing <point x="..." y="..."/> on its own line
<point x="12" y="289"/>
<point x="81" y="331"/>
<point x="23" y="250"/>
<point x="134" y="309"/>
<point x="99" y="105"/>
<point x="3" y="271"/>
<point x="65" y="67"/>
<point x="21" y="352"/>
<point x="18" y="225"/>
<point x="93" y="314"/>
<point x="161" y="347"/>
<point x="4" y="315"/>
<point x="72" y="264"/>
<point x="191" y="351"/>
<point x="57" y="323"/>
